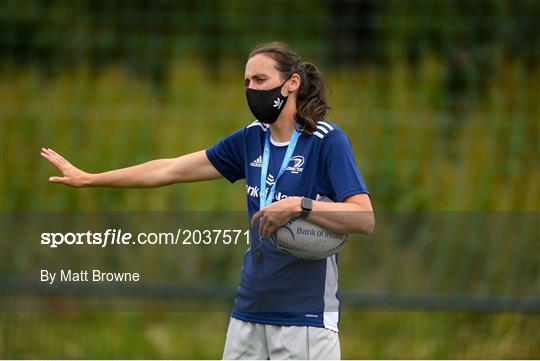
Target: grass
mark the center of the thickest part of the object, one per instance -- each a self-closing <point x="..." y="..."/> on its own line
<point x="201" y="335"/>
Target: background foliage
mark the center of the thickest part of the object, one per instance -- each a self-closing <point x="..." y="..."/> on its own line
<point x="437" y="98"/>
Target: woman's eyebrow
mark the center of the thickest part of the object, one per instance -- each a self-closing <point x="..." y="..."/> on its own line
<point x="257" y="75"/>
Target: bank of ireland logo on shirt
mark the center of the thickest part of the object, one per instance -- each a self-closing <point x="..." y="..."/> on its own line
<point x="270" y="180"/>
<point x="254" y="190"/>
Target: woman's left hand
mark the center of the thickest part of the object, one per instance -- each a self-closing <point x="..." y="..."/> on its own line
<point x="276" y="214"/>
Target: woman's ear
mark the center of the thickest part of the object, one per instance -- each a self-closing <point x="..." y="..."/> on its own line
<point x="294" y="83"/>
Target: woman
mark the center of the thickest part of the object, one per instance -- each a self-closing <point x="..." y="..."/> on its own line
<point x="290" y="157"/>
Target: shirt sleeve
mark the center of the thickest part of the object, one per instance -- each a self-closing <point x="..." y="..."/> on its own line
<point x="228" y="156"/>
<point x="342" y="172"/>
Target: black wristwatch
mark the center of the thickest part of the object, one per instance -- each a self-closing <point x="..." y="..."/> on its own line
<point x="307" y="206"/>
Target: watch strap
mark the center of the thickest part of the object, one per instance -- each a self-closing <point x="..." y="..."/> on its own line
<point x="307" y="206"/>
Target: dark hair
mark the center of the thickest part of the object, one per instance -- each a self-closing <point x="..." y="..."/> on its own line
<point x="311" y="103"/>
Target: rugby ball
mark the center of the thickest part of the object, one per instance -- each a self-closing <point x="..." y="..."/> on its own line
<point x="306" y="240"/>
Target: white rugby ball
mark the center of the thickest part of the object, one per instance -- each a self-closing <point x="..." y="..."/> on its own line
<point x="307" y="240"/>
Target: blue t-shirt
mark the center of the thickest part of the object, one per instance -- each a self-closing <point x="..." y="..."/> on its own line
<point x="281" y="289"/>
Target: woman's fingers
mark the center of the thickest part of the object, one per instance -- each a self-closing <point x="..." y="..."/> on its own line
<point x="54" y="158"/>
<point x="58" y="156"/>
<point x="59" y="159"/>
<point x="256" y="217"/>
<point x="71" y="175"/>
<point x="269" y="226"/>
<point x="262" y="221"/>
<point x="50" y="157"/>
<point x="273" y="220"/>
<point x="69" y="172"/>
<point x="269" y="221"/>
<point x="53" y="161"/>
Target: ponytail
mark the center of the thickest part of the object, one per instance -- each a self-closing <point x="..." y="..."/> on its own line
<point x="311" y="103"/>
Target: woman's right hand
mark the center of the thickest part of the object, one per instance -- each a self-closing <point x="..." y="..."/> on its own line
<point x="71" y="175"/>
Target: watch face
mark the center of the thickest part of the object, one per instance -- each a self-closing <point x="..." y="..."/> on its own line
<point x="306" y="204"/>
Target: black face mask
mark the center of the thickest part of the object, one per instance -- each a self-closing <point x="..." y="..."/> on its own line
<point x="266" y="105"/>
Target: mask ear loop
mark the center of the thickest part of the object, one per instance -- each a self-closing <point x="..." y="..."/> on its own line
<point x="281" y="87"/>
<point x="300" y="69"/>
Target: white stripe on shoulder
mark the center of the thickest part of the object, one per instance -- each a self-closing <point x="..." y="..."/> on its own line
<point x="330" y="127"/>
<point x="320" y="127"/>
<point x="258" y="124"/>
<point x="323" y="128"/>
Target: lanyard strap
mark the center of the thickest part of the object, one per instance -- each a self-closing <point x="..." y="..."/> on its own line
<point x="264" y="198"/>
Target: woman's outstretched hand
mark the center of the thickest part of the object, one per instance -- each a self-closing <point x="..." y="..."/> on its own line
<point x="71" y="175"/>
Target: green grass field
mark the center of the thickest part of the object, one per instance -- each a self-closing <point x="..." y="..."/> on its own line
<point x="201" y="335"/>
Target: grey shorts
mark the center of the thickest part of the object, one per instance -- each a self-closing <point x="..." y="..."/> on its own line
<point x="256" y="341"/>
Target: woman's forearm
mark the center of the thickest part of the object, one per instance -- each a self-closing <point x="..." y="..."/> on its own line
<point x="353" y="215"/>
<point x="149" y="174"/>
<point x="342" y="216"/>
<point x="191" y="167"/>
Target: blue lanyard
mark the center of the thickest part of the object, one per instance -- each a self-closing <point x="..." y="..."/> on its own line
<point x="265" y="199"/>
